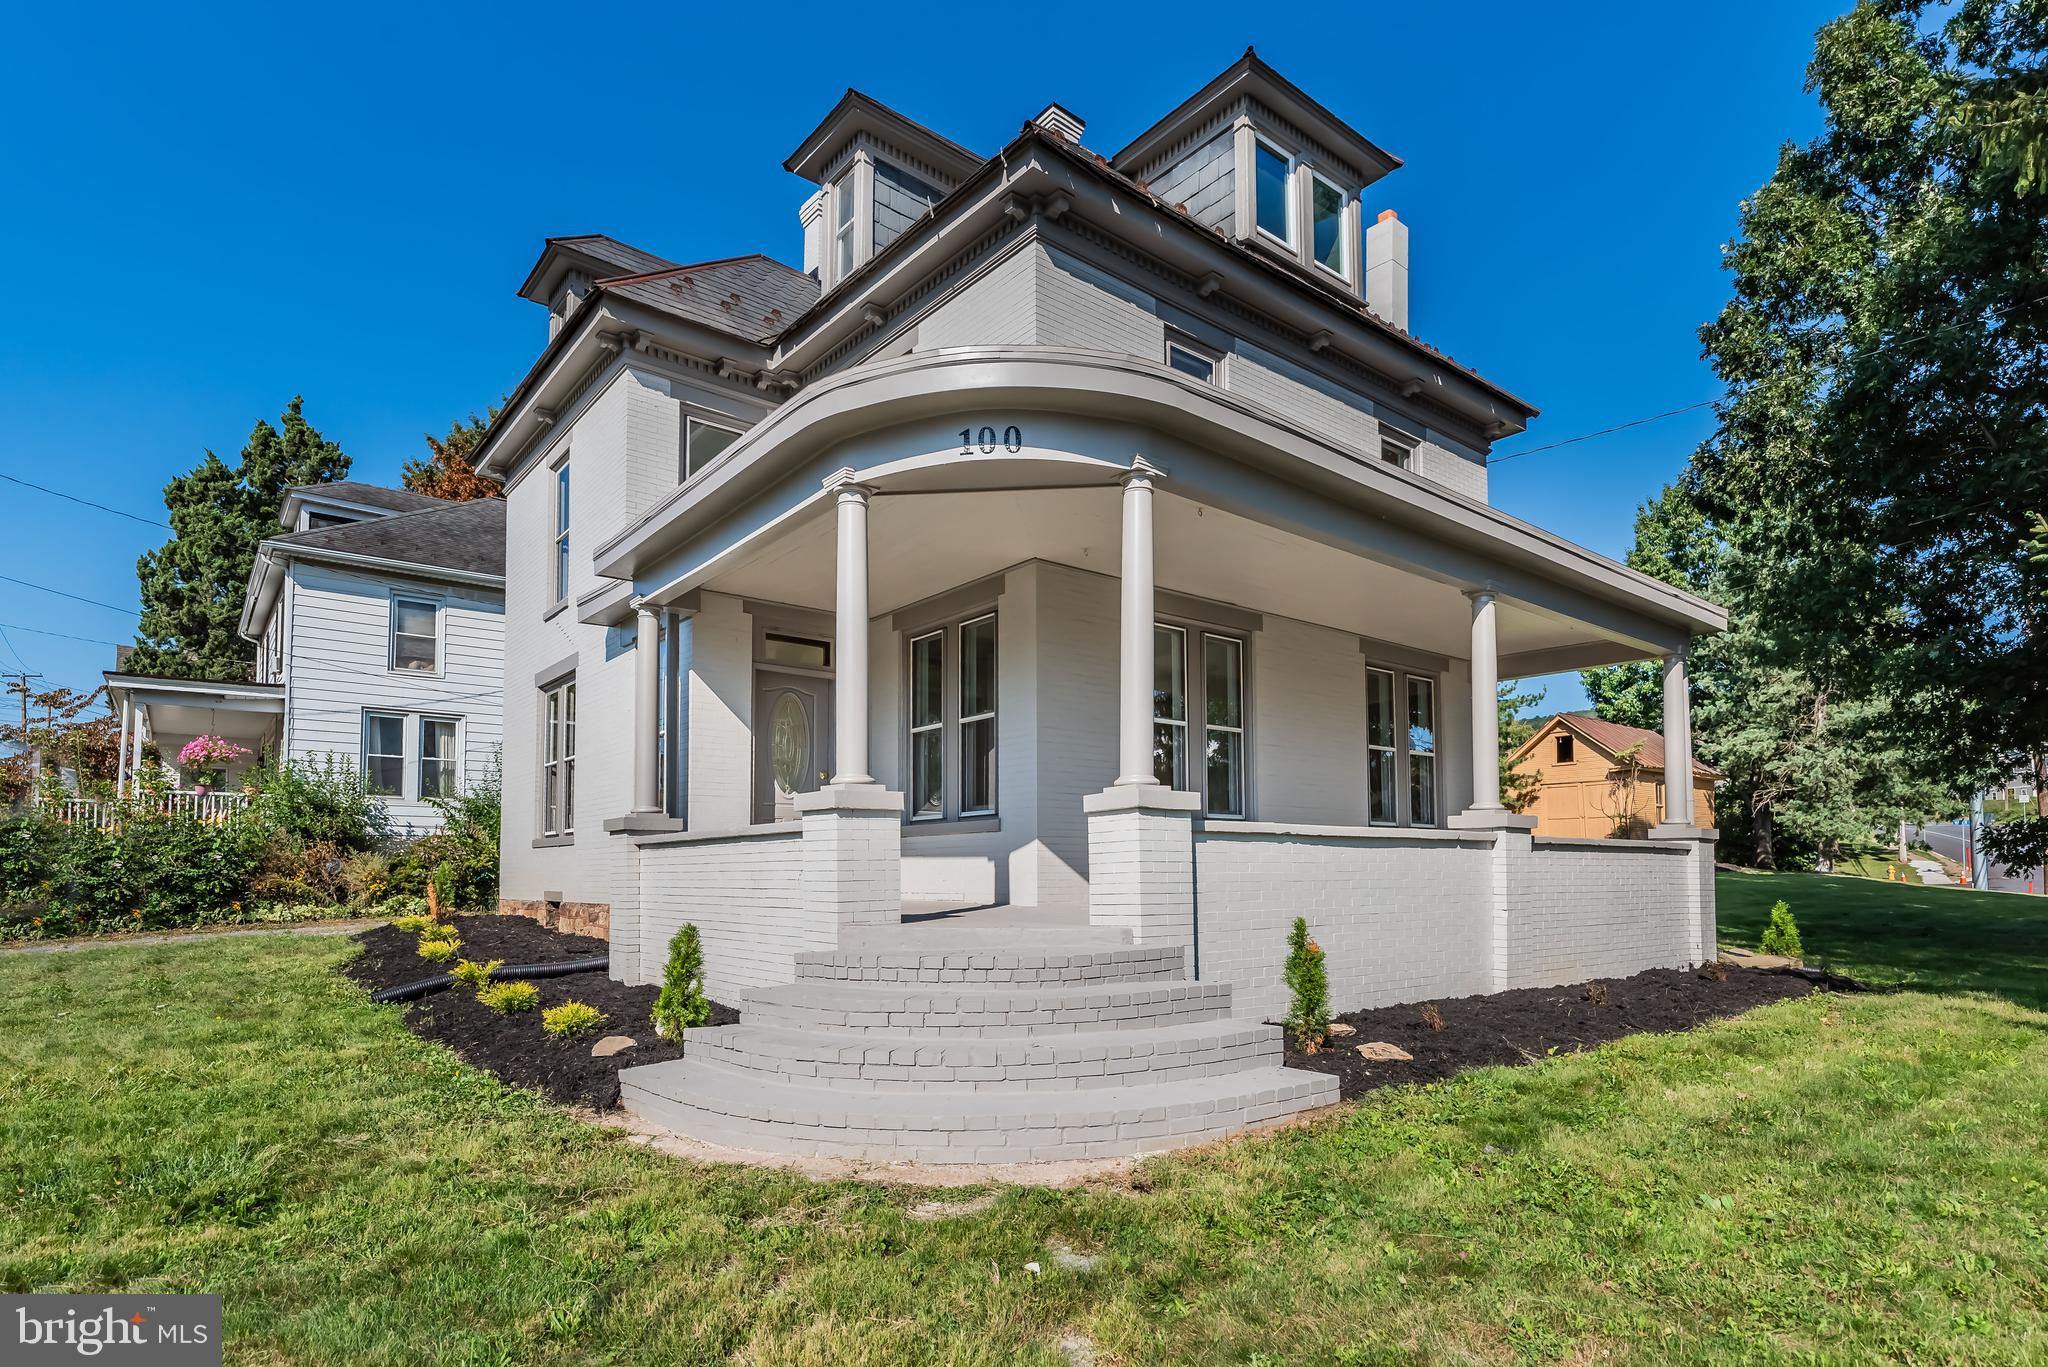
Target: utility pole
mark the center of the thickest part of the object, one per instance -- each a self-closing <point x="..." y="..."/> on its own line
<point x="18" y="683"/>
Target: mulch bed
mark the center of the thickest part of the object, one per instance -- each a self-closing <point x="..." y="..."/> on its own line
<point x="1526" y="1024"/>
<point x="514" y="1047"/>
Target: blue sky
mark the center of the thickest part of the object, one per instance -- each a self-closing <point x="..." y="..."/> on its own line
<point x="210" y="210"/>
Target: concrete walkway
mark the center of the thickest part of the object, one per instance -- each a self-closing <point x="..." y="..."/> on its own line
<point x="180" y="937"/>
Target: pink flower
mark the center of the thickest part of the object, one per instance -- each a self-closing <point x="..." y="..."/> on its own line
<point x="211" y="750"/>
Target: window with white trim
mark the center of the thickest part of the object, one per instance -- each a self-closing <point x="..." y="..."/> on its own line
<point x="1397" y="447"/>
<point x="440" y="761"/>
<point x="562" y="532"/>
<point x="1273" y="192"/>
<point x="1327" y="238"/>
<point x="1401" y="752"/>
<point x="1214" y="693"/>
<point x="844" y="243"/>
<point x="384" y="753"/>
<point x="415" y="635"/>
<point x="558" y="759"/>
<point x="1191" y="358"/>
<point x="952" y="716"/>
<point x="704" y="442"/>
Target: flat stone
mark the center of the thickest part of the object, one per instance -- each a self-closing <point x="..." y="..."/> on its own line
<point x="613" y="1044"/>
<point x="1381" y="1051"/>
<point x="1338" y="1029"/>
<point x="1748" y="958"/>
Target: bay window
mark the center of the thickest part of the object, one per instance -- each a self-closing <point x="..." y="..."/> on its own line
<point x="1217" y="690"/>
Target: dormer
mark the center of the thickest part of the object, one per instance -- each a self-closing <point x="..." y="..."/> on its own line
<point x="877" y="172"/>
<point x="1255" y="157"/>
<point x="570" y="266"/>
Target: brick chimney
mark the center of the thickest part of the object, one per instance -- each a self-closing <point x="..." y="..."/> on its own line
<point x="1386" y="269"/>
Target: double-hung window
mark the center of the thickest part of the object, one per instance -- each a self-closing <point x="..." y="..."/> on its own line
<point x="1326" y="226"/>
<point x="1218" y="688"/>
<point x="558" y="759"/>
<point x="953" y="720"/>
<point x="440" y="764"/>
<point x="384" y="753"/>
<point x="562" y="532"/>
<point x="1400" y="736"/>
<point x="415" y="635"/>
<point x="844" y="224"/>
<point x="703" y="442"/>
<point x="1273" y="193"/>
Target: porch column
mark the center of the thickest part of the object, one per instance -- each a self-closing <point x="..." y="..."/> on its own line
<point x="1485" y="704"/>
<point x="1677" y="742"/>
<point x="1134" y="726"/>
<point x="646" y="709"/>
<point x="121" y="755"/>
<point x="850" y="679"/>
<point x="135" y="744"/>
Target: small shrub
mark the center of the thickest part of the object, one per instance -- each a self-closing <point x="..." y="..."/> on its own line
<point x="474" y="975"/>
<point x="439" y="951"/>
<point x="410" y="925"/>
<point x="403" y="908"/>
<point x="1432" y="1017"/>
<point x="571" y="1018"/>
<point x="323" y="800"/>
<point x="506" y="998"/>
<point x="440" y="930"/>
<point x="682" y="1002"/>
<point x="1783" y="935"/>
<point x="1308" y="986"/>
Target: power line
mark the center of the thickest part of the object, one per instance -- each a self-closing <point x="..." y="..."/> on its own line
<point x="11" y="650"/>
<point x="6" y="627"/>
<point x="45" y="588"/>
<point x="1618" y="427"/>
<point x="86" y="502"/>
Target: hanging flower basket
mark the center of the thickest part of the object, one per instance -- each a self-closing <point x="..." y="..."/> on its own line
<point x="206" y="759"/>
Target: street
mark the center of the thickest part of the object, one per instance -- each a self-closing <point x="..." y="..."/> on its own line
<point x="1950" y="840"/>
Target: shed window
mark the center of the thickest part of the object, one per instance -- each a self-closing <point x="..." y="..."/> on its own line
<point x="1564" y="749"/>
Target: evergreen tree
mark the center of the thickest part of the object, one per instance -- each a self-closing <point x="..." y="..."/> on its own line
<point x="192" y="585"/>
<point x="1517" y="788"/>
<point x="450" y="470"/>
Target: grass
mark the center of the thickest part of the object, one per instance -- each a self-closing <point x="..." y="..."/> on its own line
<point x="1844" y="1178"/>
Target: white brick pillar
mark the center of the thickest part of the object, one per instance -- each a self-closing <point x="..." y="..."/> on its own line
<point x="1141" y="861"/>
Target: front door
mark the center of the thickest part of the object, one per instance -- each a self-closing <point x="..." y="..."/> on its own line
<point x="792" y="741"/>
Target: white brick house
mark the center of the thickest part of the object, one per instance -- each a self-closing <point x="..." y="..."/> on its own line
<point x="1086" y="538"/>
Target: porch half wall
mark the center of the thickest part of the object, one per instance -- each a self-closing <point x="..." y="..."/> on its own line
<point x="1407" y="916"/>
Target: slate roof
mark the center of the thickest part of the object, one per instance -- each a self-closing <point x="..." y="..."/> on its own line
<point x="454" y="536"/>
<point x="368" y="495"/>
<point x="629" y="259"/>
<point x="755" y="297"/>
<point x="1613" y="737"/>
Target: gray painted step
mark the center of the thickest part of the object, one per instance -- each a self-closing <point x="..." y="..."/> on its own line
<point x="738" y="1108"/>
<point x="994" y="961"/>
<point x="967" y="1009"/>
<point x="976" y="933"/>
<point x="1047" y="1063"/>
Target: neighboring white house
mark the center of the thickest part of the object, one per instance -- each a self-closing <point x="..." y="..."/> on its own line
<point x="379" y="620"/>
<point x="1086" y="539"/>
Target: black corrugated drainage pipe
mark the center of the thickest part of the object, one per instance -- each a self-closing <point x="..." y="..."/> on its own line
<point x="406" y="992"/>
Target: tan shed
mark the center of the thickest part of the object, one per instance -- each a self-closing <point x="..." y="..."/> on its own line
<point x="1603" y="779"/>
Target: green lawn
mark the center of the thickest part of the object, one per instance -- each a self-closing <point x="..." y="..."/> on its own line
<point x="1846" y="1179"/>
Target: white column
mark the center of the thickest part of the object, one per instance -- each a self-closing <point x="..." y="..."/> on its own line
<point x="135" y="753"/>
<point x="121" y="755"/>
<point x="1134" y="691"/>
<point x="1485" y="704"/>
<point x="646" y="709"/>
<point x="850" y="679"/>
<point x="1677" y="742"/>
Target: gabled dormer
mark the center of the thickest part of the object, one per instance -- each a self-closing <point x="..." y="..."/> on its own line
<point x="1255" y="157"/>
<point x="877" y="172"/>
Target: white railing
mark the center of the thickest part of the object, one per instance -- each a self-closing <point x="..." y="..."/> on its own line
<point x="86" y="811"/>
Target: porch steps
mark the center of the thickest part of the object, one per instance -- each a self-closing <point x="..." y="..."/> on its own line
<point x="936" y="1043"/>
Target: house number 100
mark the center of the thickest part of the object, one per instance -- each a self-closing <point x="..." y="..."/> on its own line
<point x="1012" y="439"/>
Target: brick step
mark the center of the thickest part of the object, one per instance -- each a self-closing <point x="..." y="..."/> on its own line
<point x="964" y="1009"/>
<point x="743" y="1109"/>
<point x="994" y="961"/>
<point x="947" y="932"/>
<point x="1067" y="1061"/>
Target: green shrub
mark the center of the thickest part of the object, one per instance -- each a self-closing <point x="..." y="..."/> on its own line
<point x="396" y="909"/>
<point x="438" y="951"/>
<point x="505" y="998"/>
<point x="474" y="975"/>
<point x="410" y="925"/>
<point x="1783" y="935"/>
<point x="1308" y="986"/>
<point x="148" y="873"/>
<point x="682" y="1002"/>
<point x="366" y="878"/>
<point x="440" y="930"/>
<point x="571" y="1018"/>
<point x="325" y="798"/>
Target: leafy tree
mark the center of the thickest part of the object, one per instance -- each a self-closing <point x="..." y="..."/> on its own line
<point x="192" y="585"/>
<point x="1517" y="789"/>
<point x="1881" y="458"/>
<point x="67" y="733"/>
<point x="450" y="471"/>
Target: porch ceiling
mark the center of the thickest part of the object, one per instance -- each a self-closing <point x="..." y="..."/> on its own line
<point x="926" y="543"/>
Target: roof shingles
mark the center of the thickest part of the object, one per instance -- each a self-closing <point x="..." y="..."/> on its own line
<point x="465" y="537"/>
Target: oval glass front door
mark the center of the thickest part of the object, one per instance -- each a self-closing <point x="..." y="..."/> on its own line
<point x="789" y="740"/>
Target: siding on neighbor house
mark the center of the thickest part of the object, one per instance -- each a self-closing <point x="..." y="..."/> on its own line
<point x="338" y="667"/>
<point x="1041" y="296"/>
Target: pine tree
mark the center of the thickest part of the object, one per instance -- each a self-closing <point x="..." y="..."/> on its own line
<point x="682" y="1002"/>
<point x="1517" y="788"/>
<point x="450" y="471"/>
<point x="192" y="585"/>
<point x="1308" y="989"/>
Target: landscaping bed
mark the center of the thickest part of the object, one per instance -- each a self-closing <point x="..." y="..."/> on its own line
<point x="1530" y="1023"/>
<point x="514" y="1046"/>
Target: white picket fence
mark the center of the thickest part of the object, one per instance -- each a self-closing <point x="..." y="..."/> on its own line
<point x="106" y="815"/>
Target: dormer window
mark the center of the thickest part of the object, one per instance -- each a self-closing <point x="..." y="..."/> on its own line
<point x="1326" y="222"/>
<point x="845" y="223"/>
<point x="1274" y="192"/>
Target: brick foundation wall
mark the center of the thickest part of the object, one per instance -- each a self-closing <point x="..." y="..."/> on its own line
<point x="571" y="918"/>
